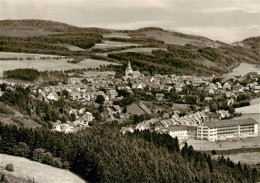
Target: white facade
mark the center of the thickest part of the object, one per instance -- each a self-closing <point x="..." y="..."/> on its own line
<point x="53" y="96"/>
<point x="180" y="134"/>
<point x="89" y="116"/>
<point x="204" y="132"/>
<point x="227" y="129"/>
<point x="64" y="128"/>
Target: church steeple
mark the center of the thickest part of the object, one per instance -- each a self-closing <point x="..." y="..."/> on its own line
<point x="128" y="69"/>
<point x="129" y="66"/>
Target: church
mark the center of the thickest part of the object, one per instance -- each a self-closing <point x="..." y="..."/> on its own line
<point x="129" y="73"/>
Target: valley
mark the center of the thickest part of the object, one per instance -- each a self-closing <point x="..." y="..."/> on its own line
<point x="143" y="105"/>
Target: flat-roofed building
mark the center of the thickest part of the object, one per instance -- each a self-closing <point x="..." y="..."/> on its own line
<point x="227" y="129"/>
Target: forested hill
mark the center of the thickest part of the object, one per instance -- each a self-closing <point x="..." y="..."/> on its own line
<point x="153" y="50"/>
<point x="103" y="154"/>
<point x="28" y="28"/>
<point x="253" y="43"/>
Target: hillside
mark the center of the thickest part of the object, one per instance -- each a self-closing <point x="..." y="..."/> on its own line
<point x="168" y="51"/>
<point x="171" y="37"/>
<point x="28" y="28"/>
<point x="40" y="173"/>
<point x="103" y="154"/>
<point x="253" y="43"/>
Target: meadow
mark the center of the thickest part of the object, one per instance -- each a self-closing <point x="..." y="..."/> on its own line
<point x="113" y="44"/>
<point x="243" y="69"/>
<point x="116" y="34"/>
<point x="252" y="142"/>
<point x="248" y="158"/>
<point x="41" y="173"/>
<point x="49" y="62"/>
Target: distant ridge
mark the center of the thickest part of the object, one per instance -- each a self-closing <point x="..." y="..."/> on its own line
<point x="168" y="51"/>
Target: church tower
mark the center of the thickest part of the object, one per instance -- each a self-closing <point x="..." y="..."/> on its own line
<point x="128" y="70"/>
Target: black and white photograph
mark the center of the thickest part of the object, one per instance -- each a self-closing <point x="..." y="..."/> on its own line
<point x="129" y="91"/>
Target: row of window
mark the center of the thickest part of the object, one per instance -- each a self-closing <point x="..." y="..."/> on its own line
<point x="247" y="131"/>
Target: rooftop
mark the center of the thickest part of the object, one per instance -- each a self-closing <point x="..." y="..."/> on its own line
<point x="177" y="128"/>
<point x="233" y="122"/>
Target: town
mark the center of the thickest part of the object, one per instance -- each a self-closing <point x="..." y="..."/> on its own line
<point x="181" y="106"/>
<point x="142" y="91"/>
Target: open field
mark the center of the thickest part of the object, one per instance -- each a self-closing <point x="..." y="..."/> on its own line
<point x="252" y="142"/>
<point x="117" y="35"/>
<point x="142" y="50"/>
<point x="174" y="38"/>
<point x="252" y="109"/>
<point x="71" y="47"/>
<point x="113" y="44"/>
<point x="242" y="70"/>
<point x="24" y="55"/>
<point x="136" y="50"/>
<point x="255" y="101"/>
<point x="248" y="158"/>
<point x="41" y="173"/>
<point x="92" y="73"/>
<point x="46" y="64"/>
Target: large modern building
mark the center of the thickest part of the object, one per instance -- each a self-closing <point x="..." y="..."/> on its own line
<point x="227" y="129"/>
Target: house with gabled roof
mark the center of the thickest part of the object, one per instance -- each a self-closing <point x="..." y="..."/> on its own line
<point x="238" y="88"/>
<point x="219" y="85"/>
<point x="256" y="89"/>
<point x="209" y="90"/>
<point x="181" y="132"/>
<point x="227" y="85"/>
<point x="53" y="96"/>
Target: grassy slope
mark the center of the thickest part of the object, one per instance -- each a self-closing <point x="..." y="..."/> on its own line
<point x="206" y="62"/>
<point x="41" y="173"/>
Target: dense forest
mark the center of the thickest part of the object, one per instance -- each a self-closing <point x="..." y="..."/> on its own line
<point x="175" y="60"/>
<point x="22" y="74"/>
<point x="103" y="154"/>
<point x="51" y="44"/>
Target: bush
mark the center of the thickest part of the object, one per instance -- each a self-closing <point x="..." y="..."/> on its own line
<point x="100" y="99"/>
<point x="9" y="167"/>
<point x="213" y="152"/>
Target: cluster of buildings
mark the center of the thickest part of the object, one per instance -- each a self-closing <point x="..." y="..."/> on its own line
<point x="86" y="89"/>
<point x="82" y="119"/>
<point x="210" y="130"/>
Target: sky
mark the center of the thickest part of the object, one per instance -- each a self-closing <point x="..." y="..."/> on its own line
<point x="224" y="20"/>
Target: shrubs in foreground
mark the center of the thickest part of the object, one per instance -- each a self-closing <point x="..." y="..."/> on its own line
<point x="9" y="167"/>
